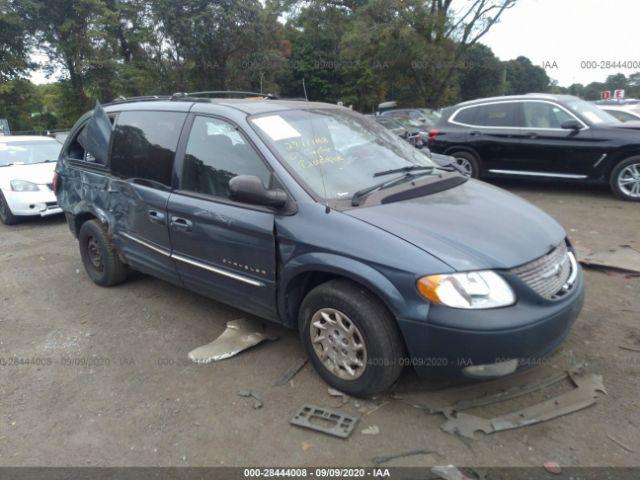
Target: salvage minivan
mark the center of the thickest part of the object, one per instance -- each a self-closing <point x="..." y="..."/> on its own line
<point x="318" y="218"/>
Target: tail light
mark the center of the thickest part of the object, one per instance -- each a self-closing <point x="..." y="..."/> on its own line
<point x="433" y="133"/>
<point x="56" y="182"/>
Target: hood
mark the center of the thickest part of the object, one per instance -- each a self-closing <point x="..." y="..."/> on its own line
<point x="40" y="173"/>
<point x="469" y="227"/>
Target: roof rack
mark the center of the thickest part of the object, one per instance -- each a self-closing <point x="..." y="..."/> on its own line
<point x="221" y="93"/>
<point x="141" y="98"/>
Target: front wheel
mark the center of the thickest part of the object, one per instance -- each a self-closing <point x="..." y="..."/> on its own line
<point x="625" y="179"/>
<point x="352" y="339"/>
<point x="6" y="216"/>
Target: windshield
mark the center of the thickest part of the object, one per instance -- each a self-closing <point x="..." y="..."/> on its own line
<point x="591" y="112"/>
<point x="336" y="152"/>
<point x="27" y="153"/>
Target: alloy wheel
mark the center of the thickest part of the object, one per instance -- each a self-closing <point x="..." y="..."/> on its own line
<point x="629" y="180"/>
<point x="338" y="343"/>
<point x="465" y="165"/>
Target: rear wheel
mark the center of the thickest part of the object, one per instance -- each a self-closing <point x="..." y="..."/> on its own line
<point x="351" y="338"/>
<point x="99" y="256"/>
<point x="625" y="179"/>
<point x="469" y="163"/>
<point x="6" y="216"/>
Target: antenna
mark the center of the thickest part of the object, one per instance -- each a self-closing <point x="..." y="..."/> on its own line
<point x="305" y="90"/>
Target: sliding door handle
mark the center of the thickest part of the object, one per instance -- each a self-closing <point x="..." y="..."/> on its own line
<point x="156" y="216"/>
<point x="179" y="223"/>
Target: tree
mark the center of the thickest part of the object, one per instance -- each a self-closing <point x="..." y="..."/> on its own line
<point x="13" y="42"/>
<point x="419" y="44"/>
<point x="214" y="44"/>
<point x="524" y="77"/>
<point x="483" y="74"/>
<point x="74" y="35"/>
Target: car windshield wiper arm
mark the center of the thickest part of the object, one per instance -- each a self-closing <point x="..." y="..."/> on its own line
<point x="409" y="168"/>
<point x="361" y="194"/>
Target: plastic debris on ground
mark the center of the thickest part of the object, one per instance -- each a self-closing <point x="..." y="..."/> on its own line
<point x="239" y="335"/>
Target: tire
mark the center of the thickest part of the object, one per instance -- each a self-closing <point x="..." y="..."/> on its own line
<point x="99" y="256"/>
<point x="376" y="330"/>
<point x="6" y="216"/>
<point x="628" y="170"/>
<point x="470" y="160"/>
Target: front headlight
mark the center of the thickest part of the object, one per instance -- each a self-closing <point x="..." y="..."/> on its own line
<point x="467" y="290"/>
<point x="23" y="186"/>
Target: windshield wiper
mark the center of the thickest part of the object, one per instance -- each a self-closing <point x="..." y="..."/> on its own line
<point x="358" y="196"/>
<point x="409" y="168"/>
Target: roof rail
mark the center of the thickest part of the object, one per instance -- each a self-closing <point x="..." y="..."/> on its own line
<point x="141" y="98"/>
<point x="221" y="93"/>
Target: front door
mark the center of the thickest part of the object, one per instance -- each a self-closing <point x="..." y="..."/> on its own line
<point x="551" y="150"/>
<point x="222" y="248"/>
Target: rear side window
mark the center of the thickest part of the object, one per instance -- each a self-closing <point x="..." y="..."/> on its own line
<point x="77" y="151"/>
<point x="497" y="115"/>
<point x="468" y="116"/>
<point x="144" y="145"/>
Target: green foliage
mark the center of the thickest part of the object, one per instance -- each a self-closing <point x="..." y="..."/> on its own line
<point x="524" y="77"/>
<point x="483" y="74"/>
<point x="359" y="52"/>
<point x="13" y="41"/>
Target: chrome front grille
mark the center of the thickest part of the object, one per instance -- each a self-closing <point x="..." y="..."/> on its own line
<point x="548" y="275"/>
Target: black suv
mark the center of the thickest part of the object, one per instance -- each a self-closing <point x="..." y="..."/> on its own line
<point x="542" y="135"/>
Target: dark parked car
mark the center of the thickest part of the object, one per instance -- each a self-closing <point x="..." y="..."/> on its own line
<point x="403" y="131"/>
<point x="318" y="218"/>
<point x="418" y="117"/>
<point x="543" y="136"/>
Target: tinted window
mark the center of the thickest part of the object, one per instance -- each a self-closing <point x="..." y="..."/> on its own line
<point x="217" y="152"/>
<point x="144" y="145"/>
<point x="497" y="115"/>
<point x="468" y="116"/>
<point x="544" y="115"/>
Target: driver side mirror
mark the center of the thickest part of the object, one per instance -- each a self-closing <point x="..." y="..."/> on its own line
<point x="250" y="189"/>
<point x="571" y="125"/>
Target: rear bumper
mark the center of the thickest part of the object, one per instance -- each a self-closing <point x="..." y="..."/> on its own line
<point x="41" y="203"/>
<point x="439" y="347"/>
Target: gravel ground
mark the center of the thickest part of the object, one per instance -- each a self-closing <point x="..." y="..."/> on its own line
<point x="109" y="382"/>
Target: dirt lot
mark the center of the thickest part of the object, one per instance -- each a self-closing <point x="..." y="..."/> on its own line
<point x="115" y="386"/>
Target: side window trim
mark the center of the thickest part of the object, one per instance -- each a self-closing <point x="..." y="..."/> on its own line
<point x="520" y="114"/>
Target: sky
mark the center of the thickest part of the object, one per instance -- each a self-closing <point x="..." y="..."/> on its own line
<point x="559" y="35"/>
<point x="569" y="32"/>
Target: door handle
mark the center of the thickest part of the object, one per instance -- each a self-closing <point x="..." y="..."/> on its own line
<point x="179" y="223"/>
<point x="475" y="133"/>
<point x="531" y="135"/>
<point x="156" y="216"/>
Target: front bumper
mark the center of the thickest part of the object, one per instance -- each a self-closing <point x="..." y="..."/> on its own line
<point x="41" y="203"/>
<point x="453" y="339"/>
